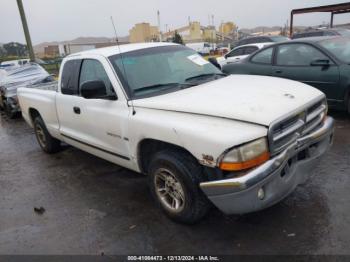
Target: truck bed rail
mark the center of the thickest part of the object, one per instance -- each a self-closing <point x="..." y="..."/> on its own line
<point x="53" y="86"/>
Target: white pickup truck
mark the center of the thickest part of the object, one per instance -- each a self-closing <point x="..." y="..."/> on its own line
<point x="240" y="142"/>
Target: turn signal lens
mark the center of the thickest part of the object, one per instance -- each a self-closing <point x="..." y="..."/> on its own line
<point x="245" y="165"/>
<point x="246" y="156"/>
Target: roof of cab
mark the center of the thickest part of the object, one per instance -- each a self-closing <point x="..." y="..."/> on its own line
<point x="113" y="50"/>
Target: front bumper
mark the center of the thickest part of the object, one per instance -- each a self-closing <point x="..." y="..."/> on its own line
<point x="278" y="177"/>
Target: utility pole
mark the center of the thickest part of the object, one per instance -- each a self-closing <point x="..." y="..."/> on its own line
<point x="26" y="30"/>
<point x="159" y="26"/>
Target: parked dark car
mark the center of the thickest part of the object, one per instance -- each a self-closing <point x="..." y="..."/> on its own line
<point x="323" y="32"/>
<point x="261" y="39"/>
<point x="322" y="62"/>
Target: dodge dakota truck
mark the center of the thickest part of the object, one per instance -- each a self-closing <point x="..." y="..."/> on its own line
<point x="240" y="142"/>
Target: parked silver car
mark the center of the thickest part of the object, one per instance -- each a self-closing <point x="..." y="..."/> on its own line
<point x="25" y="76"/>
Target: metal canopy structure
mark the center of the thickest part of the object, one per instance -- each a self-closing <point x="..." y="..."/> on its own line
<point x="333" y="9"/>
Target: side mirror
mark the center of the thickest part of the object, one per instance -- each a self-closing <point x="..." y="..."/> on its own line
<point x="320" y="62"/>
<point x="94" y="90"/>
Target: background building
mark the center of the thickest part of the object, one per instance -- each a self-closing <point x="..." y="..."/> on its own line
<point x="194" y="32"/>
<point x="227" y="28"/>
<point x="71" y="48"/>
<point x="143" y="32"/>
<point x="209" y="34"/>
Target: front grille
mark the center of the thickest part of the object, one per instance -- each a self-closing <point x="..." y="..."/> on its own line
<point x="284" y="132"/>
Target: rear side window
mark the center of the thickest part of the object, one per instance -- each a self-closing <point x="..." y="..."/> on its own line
<point x="263" y="57"/>
<point x="236" y="52"/>
<point x="243" y="42"/>
<point x="329" y="33"/>
<point x="320" y="33"/>
<point x="70" y="77"/>
<point x="264" y="40"/>
<point x="252" y="40"/>
<point x="250" y="49"/>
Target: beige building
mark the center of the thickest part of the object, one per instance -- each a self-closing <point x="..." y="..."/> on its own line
<point x="227" y="28"/>
<point x="193" y="32"/>
<point x="209" y="34"/>
<point x="143" y="32"/>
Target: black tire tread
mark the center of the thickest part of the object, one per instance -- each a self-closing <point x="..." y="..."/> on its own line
<point x="193" y="173"/>
<point x="53" y="145"/>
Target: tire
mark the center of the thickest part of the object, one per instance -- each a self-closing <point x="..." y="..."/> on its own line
<point x="9" y="113"/>
<point x="47" y="143"/>
<point x="175" y="174"/>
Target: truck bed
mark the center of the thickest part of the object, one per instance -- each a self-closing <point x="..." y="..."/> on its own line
<point x="53" y="86"/>
<point x="40" y="98"/>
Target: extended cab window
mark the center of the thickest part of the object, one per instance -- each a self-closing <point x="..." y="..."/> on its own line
<point x="298" y="55"/>
<point x="263" y="57"/>
<point x="69" y="79"/>
<point x="92" y="70"/>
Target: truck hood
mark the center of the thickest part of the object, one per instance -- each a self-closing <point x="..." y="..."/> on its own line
<point x="254" y="99"/>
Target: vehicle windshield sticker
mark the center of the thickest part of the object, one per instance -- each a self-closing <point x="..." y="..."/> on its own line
<point x="197" y="59"/>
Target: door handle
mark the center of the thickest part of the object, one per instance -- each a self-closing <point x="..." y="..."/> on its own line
<point x="278" y="71"/>
<point x="76" y="110"/>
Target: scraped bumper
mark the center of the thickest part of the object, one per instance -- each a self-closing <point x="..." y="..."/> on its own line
<point x="275" y="179"/>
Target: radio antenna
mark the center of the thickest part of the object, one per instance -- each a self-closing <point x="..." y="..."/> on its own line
<point x="122" y="59"/>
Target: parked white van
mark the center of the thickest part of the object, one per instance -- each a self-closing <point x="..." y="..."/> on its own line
<point x="202" y="48"/>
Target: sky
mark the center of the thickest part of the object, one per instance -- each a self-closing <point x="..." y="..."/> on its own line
<point x="60" y="20"/>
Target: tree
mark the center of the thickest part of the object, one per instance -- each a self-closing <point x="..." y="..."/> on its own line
<point x="2" y="51"/>
<point x="15" y="49"/>
<point x="178" y="39"/>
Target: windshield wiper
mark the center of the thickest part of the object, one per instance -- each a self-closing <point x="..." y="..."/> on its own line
<point x="168" y="85"/>
<point x="204" y="75"/>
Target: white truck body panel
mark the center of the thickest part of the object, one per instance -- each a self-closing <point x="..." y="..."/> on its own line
<point x="255" y="99"/>
<point x="224" y="113"/>
<point x="207" y="120"/>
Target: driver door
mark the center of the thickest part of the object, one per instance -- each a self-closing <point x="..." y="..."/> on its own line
<point x="98" y="126"/>
<point x="293" y="61"/>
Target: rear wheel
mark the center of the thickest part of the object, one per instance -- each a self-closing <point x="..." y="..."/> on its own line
<point x="47" y="143"/>
<point x="174" y="182"/>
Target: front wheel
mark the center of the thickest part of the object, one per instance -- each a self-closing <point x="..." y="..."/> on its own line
<point x="47" y="143"/>
<point x="174" y="183"/>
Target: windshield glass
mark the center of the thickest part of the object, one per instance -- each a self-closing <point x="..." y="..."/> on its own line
<point x="339" y="47"/>
<point x="153" y="71"/>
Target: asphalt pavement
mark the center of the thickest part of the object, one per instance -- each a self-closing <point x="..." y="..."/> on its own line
<point x="90" y="206"/>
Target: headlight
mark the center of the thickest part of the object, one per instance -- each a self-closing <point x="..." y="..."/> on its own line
<point x="246" y="156"/>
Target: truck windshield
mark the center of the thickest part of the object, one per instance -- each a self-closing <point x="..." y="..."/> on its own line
<point x="158" y="70"/>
